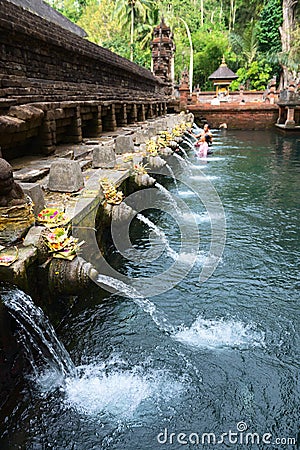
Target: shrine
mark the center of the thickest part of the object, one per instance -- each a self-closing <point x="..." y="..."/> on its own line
<point x="221" y="79"/>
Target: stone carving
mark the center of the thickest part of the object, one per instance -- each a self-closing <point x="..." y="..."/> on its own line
<point x="11" y="194"/>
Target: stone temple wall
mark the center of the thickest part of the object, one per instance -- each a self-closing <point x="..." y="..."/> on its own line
<point x="56" y="86"/>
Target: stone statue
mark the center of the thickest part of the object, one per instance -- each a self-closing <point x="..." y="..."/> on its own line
<point x="11" y="194"/>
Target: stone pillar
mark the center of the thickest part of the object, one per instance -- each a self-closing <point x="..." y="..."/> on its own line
<point x="184" y="89"/>
<point x="194" y="98"/>
<point x="134" y="117"/>
<point x="109" y="122"/>
<point x="98" y="120"/>
<point x="74" y="131"/>
<point x="149" y="114"/>
<point x="281" y="115"/>
<point x="290" y="119"/>
<point x="121" y="116"/>
<point x="48" y="133"/>
<point x="141" y="116"/>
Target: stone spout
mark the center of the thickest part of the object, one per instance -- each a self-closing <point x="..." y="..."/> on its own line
<point x="122" y="213"/>
<point x="173" y="145"/>
<point x="144" y="180"/>
<point x="156" y="162"/>
<point x="70" y="277"/>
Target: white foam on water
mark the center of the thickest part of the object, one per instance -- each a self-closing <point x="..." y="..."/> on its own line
<point x="203" y="177"/>
<point x="194" y="217"/>
<point x="117" y="393"/>
<point x="221" y="333"/>
<point x="201" y="258"/>
<point x="214" y="158"/>
<point x="199" y="166"/>
<point x="187" y="193"/>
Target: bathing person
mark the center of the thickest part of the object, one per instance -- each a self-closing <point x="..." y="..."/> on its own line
<point x="205" y="132"/>
<point x="203" y="147"/>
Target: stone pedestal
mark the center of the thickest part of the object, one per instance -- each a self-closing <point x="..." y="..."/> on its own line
<point x="104" y="157"/>
<point x="124" y="144"/>
<point x="65" y="176"/>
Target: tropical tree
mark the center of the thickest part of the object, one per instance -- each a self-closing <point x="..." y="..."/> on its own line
<point x="72" y="9"/>
<point x="98" y="21"/>
<point x="246" y="44"/>
<point x="269" y="21"/>
<point x="128" y="11"/>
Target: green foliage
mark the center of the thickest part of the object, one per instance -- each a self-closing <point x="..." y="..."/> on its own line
<point x="255" y="77"/>
<point x="209" y="49"/>
<point x="72" y="9"/>
<point x="252" y="49"/>
<point x="97" y="20"/>
<point x="245" y="45"/>
<point x="268" y="27"/>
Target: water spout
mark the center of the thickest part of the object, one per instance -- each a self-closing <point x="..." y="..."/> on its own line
<point x="144" y="303"/>
<point x="172" y="175"/>
<point x="167" y="194"/>
<point x="160" y="234"/>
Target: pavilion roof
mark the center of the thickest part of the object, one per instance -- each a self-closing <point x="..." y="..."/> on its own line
<point x="223" y="73"/>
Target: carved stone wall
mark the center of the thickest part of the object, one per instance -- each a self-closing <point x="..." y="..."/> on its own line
<point x="69" y="85"/>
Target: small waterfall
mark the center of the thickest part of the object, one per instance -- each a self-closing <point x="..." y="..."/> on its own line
<point x="167" y="194"/>
<point x="189" y="144"/>
<point x="160" y="234"/>
<point x="196" y="128"/>
<point x="145" y="304"/>
<point x="184" y="152"/>
<point x="190" y="137"/>
<point x="183" y="163"/>
<point x="172" y="175"/>
<point x="39" y="334"/>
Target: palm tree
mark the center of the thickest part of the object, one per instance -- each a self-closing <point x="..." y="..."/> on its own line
<point x="127" y="11"/>
<point x="246" y="44"/>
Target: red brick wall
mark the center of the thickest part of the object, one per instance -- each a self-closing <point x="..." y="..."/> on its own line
<point x="257" y="116"/>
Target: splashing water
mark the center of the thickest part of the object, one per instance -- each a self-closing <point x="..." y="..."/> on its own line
<point x="183" y="163"/>
<point x="189" y="144"/>
<point x="183" y="150"/>
<point x="213" y="334"/>
<point x="119" y="393"/>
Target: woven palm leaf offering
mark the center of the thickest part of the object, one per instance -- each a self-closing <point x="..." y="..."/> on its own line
<point x="111" y="195"/>
<point x="61" y="245"/>
<point x="164" y="139"/>
<point x="52" y="217"/>
<point x="152" y="148"/>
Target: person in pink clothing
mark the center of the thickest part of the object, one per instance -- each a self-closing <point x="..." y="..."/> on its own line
<point x="203" y="147"/>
